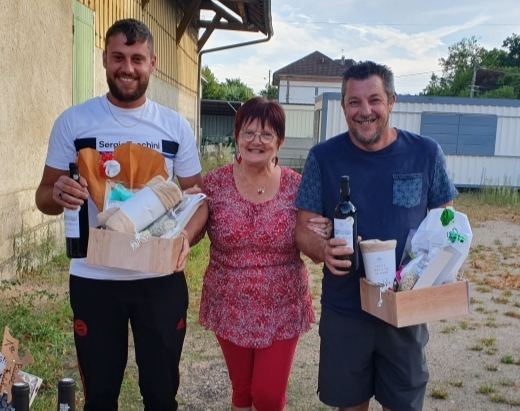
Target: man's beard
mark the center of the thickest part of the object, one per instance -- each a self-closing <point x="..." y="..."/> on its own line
<point x="127" y="97"/>
<point x="373" y="139"/>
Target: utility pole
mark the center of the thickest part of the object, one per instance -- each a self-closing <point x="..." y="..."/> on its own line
<point x="473" y="80"/>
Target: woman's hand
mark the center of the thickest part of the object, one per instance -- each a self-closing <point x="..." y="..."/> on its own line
<point x="321" y="226"/>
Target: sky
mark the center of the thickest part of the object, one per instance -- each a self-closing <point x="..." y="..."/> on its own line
<point x="409" y="36"/>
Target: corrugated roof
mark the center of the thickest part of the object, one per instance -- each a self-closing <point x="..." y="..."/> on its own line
<point x="219" y="107"/>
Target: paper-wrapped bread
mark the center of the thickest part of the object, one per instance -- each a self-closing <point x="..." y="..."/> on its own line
<point x="138" y="165"/>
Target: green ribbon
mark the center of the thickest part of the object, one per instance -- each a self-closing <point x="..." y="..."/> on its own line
<point x="447" y="216"/>
<point x="454" y="236"/>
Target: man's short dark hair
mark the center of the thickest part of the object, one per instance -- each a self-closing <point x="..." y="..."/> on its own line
<point x="364" y="70"/>
<point x="134" y="31"/>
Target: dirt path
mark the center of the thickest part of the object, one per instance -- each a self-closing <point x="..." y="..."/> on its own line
<point x="468" y="357"/>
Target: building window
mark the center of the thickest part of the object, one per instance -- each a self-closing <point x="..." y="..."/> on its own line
<point x="316" y="91"/>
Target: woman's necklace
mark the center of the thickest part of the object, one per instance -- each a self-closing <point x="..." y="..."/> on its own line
<point x="126" y="125"/>
<point x="260" y="190"/>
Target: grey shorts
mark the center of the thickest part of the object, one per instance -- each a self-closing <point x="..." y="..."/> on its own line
<point x="359" y="360"/>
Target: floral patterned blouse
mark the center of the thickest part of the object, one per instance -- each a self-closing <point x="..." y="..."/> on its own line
<point x="256" y="287"/>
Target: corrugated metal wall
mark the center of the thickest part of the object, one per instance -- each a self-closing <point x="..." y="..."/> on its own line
<point x="335" y="120"/>
<point x="162" y="17"/>
<point x="466" y="171"/>
<point x="299" y="137"/>
<point x="298" y="120"/>
<point x="213" y="125"/>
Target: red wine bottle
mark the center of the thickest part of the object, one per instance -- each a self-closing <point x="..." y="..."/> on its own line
<point x="76" y="224"/>
<point x="66" y="394"/>
<point x="345" y="224"/>
<point x="20" y="396"/>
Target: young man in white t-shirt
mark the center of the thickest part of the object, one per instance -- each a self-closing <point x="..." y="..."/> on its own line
<point x="105" y="300"/>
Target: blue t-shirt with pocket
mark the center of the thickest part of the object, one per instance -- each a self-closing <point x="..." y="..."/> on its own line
<point x="392" y="190"/>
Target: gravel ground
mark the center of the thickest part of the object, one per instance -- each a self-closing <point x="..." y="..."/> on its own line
<point x="464" y="355"/>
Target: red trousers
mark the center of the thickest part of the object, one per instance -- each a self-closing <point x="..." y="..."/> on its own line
<point x="259" y="376"/>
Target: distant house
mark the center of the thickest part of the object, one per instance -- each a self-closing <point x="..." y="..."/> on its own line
<point x="301" y="81"/>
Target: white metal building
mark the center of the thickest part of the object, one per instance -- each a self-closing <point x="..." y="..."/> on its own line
<point x="480" y="137"/>
<point x="299" y="135"/>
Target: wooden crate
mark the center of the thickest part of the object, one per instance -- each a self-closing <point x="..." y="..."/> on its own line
<point x="113" y="249"/>
<point x="413" y="307"/>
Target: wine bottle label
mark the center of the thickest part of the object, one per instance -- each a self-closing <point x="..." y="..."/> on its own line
<point x="71" y="218"/>
<point x="344" y="229"/>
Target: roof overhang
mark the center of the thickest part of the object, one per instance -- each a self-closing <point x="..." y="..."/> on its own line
<point x="219" y="107"/>
<point x="242" y="15"/>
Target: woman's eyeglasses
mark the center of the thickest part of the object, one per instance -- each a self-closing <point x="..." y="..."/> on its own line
<point x="265" y="136"/>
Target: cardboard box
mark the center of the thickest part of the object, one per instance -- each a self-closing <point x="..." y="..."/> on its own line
<point x="424" y="305"/>
<point x="114" y="249"/>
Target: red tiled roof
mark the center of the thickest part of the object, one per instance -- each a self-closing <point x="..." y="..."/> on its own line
<point x="315" y="64"/>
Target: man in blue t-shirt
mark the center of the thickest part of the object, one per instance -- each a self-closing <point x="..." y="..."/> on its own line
<point x="395" y="178"/>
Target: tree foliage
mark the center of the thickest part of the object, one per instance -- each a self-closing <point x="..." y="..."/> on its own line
<point x="210" y="88"/>
<point x="270" y="92"/>
<point x="230" y="89"/>
<point x="496" y="71"/>
<point x="235" y="90"/>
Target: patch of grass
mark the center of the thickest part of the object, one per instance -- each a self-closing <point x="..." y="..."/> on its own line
<point x="483" y="289"/>
<point x="439" y="394"/>
<point x="507" y="293"/>
<point x="507" y="359"/>
<point x="507" y="382"/>
<point x="449" y="330"/>
<point x="456" y="384"/>
<point x="37" y="312"/>
<point x="486" y="389"/>
<point x="488" y="342"/>
<point x="500" y="300"/>
<point x="503" y="195"/>
<point x="195" y="268"/>
<point x="490" y="367"/>
<point x="491" y="351"/>
<point x="513" y="314"/>
<point x="476" y="347"/>
<point x="517" y="304"/>
<point x="474" y="300"/>
<point x="497" y="398"/>
<point x="463" y="325"/>
<point x="491" y="323"/>
<point x="222" y="155"/>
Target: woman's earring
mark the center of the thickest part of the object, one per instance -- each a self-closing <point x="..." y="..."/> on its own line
<point x="238" y="157"/>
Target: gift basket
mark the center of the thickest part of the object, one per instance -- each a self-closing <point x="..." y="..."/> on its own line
<point x="137" y="205"/>
<point x="426" y="287"/>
